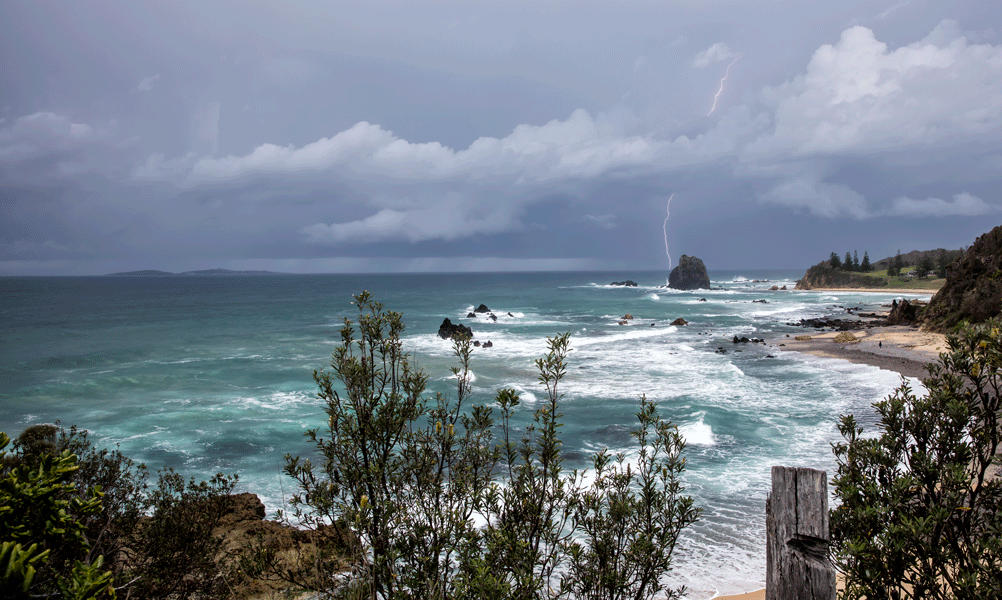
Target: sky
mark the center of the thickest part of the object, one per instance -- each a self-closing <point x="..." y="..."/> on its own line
<point x="414" y="136"/>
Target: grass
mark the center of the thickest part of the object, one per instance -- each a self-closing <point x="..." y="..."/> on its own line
<point x="911" y="283"/>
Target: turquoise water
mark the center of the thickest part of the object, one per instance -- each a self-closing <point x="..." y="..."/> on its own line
<point x="210" y="374"/>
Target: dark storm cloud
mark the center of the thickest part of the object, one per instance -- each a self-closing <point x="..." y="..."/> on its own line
<point x="473" y="136"/>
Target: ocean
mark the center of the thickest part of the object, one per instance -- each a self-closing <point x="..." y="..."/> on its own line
<point x="214" y="373"/>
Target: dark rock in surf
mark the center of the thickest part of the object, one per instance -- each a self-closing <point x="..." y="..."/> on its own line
<point x="482" y="309"/>
<point x="627" y="283"/>
<point x="679" y="321"/>
<point x="448" y="330"/>
<point x="690" y="274"/>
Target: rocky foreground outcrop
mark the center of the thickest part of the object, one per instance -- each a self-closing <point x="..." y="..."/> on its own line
<point x="245" y="532"/>
<point x="973" y="288"/>
<point x="690" y="274"/>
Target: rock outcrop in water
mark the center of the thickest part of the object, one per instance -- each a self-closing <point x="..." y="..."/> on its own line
<point x="448" y="330"/>
<point x="627" y="283"/>
<point x="690" y="274"/>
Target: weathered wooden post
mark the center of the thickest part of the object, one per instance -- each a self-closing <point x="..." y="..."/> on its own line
<point x="796" y="523"/>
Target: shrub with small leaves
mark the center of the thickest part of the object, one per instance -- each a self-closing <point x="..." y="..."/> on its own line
<point x="408" y="475"/>
<point x="920" y="514"/>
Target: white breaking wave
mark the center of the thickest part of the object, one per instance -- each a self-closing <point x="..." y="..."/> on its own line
<point x="698" y="433"/>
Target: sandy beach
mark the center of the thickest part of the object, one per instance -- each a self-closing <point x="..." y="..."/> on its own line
<point x="902" y="349"/>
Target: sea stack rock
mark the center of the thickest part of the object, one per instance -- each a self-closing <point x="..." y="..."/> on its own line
<point x="449" y="330"/>
<point x="690" y="274"/>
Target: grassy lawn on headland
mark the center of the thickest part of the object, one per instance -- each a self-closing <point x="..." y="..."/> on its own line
<point x="910" y="283"/>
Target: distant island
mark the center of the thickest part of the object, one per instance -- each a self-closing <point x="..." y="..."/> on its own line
<point x="204" y="272"/>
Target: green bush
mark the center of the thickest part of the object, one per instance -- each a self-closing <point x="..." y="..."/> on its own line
<point x="44" y="546"/>
<point x="408" y="475"/>
<point x="110" y="526"/>
<point x="920" y="514"/>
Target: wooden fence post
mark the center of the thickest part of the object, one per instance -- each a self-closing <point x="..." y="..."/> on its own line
<point x="796" y="522"/>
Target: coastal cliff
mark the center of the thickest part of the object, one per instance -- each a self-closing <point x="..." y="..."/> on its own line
<point x="973" y="288"/>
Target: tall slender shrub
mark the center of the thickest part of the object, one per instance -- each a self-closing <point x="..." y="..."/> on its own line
<point x="439" y="501"/>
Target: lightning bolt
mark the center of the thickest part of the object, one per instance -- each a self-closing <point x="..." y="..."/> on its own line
<point x="717" y="95"/>
<point x="665" y="228"/>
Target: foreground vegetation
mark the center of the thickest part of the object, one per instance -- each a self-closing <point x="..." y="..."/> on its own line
<point x="76" y="522"/>
<point x="920" y="512"/>
<point x="439" y="508"/>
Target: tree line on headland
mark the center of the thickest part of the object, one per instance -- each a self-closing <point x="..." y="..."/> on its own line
<point x="417" y="496"/>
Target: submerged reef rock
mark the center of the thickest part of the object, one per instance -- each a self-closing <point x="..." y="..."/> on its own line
<point x="627" y="283"/>
<point x="690" y="274"/>
<point x="448" y="331"/>
<point x="678" y="322"/>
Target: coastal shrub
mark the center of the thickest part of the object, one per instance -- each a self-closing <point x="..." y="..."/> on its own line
<point x="153" y="541"/>
<point x="442" y="502"/>
<point x="40" y="530"/>
<point x="920" y="512"/>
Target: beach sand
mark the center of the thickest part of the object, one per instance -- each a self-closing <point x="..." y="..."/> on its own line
<point x="905" y="350"/>
<point x="758" y="595"/>
<point x="902" y="349"/>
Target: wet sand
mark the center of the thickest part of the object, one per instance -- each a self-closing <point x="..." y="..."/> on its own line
<point x="900" y="348"/>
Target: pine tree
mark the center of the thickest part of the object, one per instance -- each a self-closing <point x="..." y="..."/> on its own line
<point x="941" y="262"/>
<point x="895" y="268"/>
<point x="925" y="267"/>
<point x="834" y="261"/>
<point x="865" y="266"/>
<point x="848" y="261"/>
<point x="855" y="261"/>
